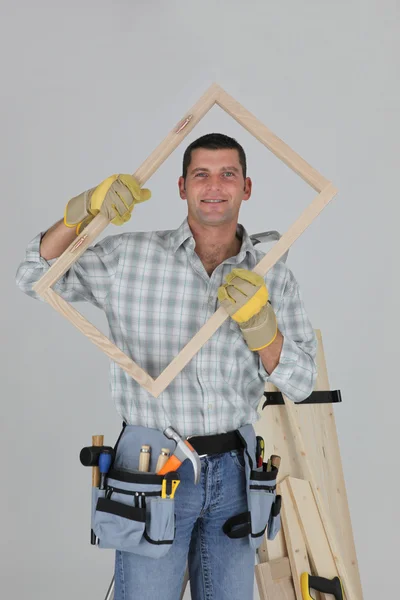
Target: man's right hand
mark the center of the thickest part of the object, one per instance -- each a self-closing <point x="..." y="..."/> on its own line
<point x="115" y="198"/>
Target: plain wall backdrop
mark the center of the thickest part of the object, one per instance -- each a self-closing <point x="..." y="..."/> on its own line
<point x="90" y="88"/>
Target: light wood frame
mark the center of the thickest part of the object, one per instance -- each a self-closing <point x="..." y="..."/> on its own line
<point x="214" y="95"/>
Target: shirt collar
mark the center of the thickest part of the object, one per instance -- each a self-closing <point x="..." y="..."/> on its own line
<point x="183" y="233"/>
<point x="180" y="235"/>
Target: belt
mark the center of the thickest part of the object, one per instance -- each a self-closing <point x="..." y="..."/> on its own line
<point x="215" y="444"/>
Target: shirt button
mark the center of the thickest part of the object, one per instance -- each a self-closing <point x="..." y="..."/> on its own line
<point x="210" y="406"/>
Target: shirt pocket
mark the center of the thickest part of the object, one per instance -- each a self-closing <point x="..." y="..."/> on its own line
<point x="229" y="352"/>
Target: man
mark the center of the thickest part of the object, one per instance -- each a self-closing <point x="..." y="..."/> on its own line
<point x="157" y="289"/>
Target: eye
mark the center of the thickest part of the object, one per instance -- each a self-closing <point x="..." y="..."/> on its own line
<point x="200" y="174"/>
<point x="229" y="174"/>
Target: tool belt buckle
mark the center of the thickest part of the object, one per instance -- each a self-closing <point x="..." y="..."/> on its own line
<point x="189" y="437"/>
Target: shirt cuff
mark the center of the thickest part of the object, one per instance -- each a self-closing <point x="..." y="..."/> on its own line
<point x="284" y="369"/>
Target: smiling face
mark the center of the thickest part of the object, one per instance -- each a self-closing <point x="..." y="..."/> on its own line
<point x="214" y="186"/>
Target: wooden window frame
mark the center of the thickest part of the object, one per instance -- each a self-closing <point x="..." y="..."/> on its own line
<point x="214" y="95"/>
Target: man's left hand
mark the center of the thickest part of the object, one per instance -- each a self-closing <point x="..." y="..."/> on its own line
<point x="245" y="298"/>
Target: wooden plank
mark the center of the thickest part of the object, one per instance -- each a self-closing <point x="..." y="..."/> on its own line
<point x="274" y="580"/>
<point x="308" y="471"/>
<point x="294" y="538"/>
<point x="318" y="428"/>
<point x="319" y="551"/>
<point x="272" y="549"/>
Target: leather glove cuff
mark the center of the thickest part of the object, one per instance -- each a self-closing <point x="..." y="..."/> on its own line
<point x="261" y="330"/>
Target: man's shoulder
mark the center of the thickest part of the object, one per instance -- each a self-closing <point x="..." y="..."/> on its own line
<point x="280" y="268"/>
<point x="280" y="276"/>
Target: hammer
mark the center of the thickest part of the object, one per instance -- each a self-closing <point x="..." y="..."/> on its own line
<point x="183" y="451"/>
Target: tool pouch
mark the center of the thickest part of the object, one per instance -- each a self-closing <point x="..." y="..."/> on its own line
<point x="261" y="497"/>
<point x="129" y="514"/>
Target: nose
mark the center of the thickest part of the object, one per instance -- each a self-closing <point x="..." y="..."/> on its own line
<point x="213" y="182"/>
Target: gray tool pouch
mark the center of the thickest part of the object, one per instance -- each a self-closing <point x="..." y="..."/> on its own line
<point x="263" y="503"/>
<point x="130" y="514"/>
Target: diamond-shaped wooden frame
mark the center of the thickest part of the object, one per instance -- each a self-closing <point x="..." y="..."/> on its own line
<point x="214" y="95"/>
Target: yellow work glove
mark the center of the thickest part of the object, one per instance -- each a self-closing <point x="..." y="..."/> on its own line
<point x="245" y="298"/>
<point x="115" y="198"/>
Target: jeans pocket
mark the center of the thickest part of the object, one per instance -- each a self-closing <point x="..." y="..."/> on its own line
<point x="238" y="459"/>
<point x="130" y="514"/>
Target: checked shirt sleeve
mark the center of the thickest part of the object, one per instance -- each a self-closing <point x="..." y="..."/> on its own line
<point x="88" y="279"/>
<point x="296" y="371"/>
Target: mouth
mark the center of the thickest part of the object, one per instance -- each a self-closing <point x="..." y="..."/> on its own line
<point x="213" y="201"/>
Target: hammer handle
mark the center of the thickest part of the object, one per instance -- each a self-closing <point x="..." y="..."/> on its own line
<point x="172" y="464"/>
<point x="97" y="440"/>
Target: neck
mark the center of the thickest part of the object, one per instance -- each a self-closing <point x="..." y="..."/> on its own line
<point x="215" y="244"/>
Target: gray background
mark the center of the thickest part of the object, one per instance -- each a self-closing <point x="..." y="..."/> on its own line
<point x="90" y="88"/>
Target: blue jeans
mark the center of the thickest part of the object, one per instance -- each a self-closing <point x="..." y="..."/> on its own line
<point x="220" y="568"/>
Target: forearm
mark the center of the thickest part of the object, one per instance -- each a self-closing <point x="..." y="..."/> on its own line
<point x="271" y="354"/>
<point x="56" y="240"/>
<point x="296" y="372"/>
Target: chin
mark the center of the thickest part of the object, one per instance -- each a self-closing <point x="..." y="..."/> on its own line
<point x="215" y="219"/>
<point x="221" y="220"/>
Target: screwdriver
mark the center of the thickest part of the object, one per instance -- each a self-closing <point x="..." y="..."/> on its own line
<point x="162" y="459"/>
<point x="104" y="465"/>
<point x="260" y="450"/>
<point x="144" y="458"/>
<point x="170" y="483"/>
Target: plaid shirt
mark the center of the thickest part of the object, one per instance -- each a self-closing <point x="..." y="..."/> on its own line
<point x="156" y="295"/>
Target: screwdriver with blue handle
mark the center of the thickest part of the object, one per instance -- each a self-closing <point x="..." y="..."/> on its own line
<point x="105" y="459"/>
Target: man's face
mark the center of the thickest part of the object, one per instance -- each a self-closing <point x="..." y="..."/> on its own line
<point x="214" y="187"/>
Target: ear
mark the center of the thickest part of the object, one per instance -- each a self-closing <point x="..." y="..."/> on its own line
<point x="181" y="186"/>
<point x="248" y="184"/>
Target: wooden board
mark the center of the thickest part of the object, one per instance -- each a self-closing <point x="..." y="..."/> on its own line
<point x="318" y="427"/>
<point x="274" y="580"/>
<point x="313" y="532"/>
<point x="271" y="550"/>
<point x="295" y="543"/>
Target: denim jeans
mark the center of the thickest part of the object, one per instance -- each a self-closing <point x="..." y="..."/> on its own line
<point x="220" y="568"/>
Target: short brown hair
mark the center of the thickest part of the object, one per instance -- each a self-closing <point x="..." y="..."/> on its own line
<point x="214" y="141"/>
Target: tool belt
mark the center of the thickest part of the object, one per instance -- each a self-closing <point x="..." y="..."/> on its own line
<point x="130" y="513"/>
<point x="263" y="503"/>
